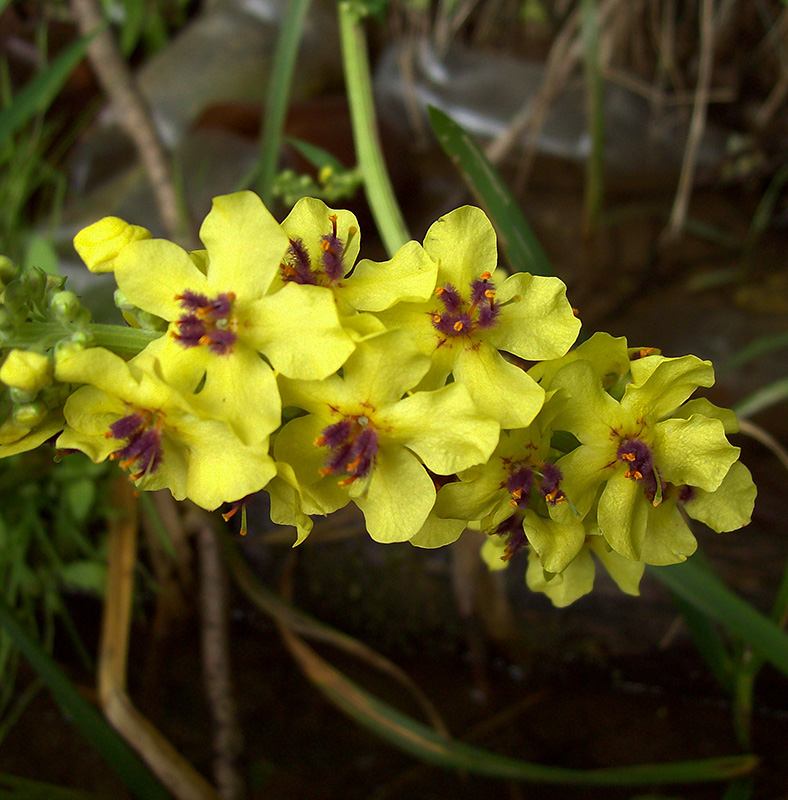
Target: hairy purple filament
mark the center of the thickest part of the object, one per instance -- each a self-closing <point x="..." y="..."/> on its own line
<point x="353" y="446"/>
<point x="206" y="322"/>
<point x="639" y="461"/>
<point x="520" y="484"/>
<point x="298" y="268"/>
<point x="461" y="317"/>
<point x="142" y="434"/>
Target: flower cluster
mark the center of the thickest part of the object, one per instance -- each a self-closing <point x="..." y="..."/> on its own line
<point x="426" y="390"/>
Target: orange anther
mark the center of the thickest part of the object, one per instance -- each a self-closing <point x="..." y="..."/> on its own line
<point x="485" y="276"/>
<point x="457" y="326"/>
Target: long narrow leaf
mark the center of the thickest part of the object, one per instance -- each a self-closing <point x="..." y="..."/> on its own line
<point x="763" y="398"/>
<point x="293" y="619"/>
<point x="85" y="718"/>
<point x="17" y="788"/>
<point x="706" y="592"/>
<point x="708" y="641"/>
<point x="39" y="92"/>
<point x="518" y="240"/>
<point x="428" y="745"/>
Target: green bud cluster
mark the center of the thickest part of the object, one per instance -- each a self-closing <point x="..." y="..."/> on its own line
<point x="38" y="318"/>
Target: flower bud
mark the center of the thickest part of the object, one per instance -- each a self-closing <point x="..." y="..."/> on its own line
<point x="99" y="244"/>
<point x="26" y="371"/>
<point x="30" y="414"/>
<point x="65" y="306"/>
<point x="8" y="270"/>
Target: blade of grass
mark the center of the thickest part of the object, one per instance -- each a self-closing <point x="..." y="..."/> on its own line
<point x="761" y="346"/>
<point x="39" y="92"/>
<point x="293" y="619"/>
<point x="522" y="248"/>
<point x="706" y="592"/>
<point x="85" y="718"/>
<point x="709" y="643"/>
<point x="763" y="398"/>
<point x="428" y="745"/>
<point x="377" y="183"/>
<point x="290" y="34"/>
<point x="15" y="788"/>
<point x="316" y="156"/>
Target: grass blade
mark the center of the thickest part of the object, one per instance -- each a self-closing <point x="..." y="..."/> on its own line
<point x="705" y="591"/>
<point x="39" y="92"/>
<point x="428" y="745"/>
<point x="763" y="398"/>
<point x="709" y="643"/>
<point x="85" y="718"/>
<point x="282" y="70"/>
<point x="291" y="618"/>
<point x="16" y="788"/>
<point x="522" y="248"/>
<point x="761" y="346"/>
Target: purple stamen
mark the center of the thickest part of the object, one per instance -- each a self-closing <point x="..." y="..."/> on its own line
<point x="298" y="266"/>
<point x="126" y="426"/>
<point x="208" y="322"/>
<point x="353" y="445"/>
<point x="143" y="443"/>
<point x="333" y="250"/>
<point x="549" y="486"/>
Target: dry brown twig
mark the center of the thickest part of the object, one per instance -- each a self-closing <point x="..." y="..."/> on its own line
<point x="172" y="769"/>
<point x="678" y="214"/>
<point x="217" y="670"/>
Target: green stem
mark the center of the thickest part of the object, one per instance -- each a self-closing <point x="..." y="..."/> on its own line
<point x="380" y="193"/>
<point x="595" y="165"/>
<point x="742" y="698"/>
<point x="279" y="93"/>
<point x="118" y="338"/>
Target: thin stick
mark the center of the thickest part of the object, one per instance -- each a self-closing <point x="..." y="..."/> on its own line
<point x="171" y="768"/>
<point x="678" y="214"/>
<point x="227" y="735"/>
<point x="133" y="114"/>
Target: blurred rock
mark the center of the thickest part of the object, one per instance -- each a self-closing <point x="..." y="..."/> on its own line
<point x="483" y="91"/>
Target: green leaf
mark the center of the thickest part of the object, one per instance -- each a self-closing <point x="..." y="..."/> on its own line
<point x="38" y="93"/>
<point x="708" y="641"/>
<point x="89" y="576"/>
<point x="428" y="745"/>
<point x="15" y="788"/>
<point x="435" y="746"/>
<point x="705" y="591"/>
<point x="85" y="718"/>
<point x="316" y="156"/>
<point x="80" y="495"/>
<point x="763" y="398"/>
<point x="523" y="250"/>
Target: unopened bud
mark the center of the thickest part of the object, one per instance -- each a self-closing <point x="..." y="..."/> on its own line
<point x="30" y="414"/>
<point x="8" y="270"/>
<point x="67" y="309"/>
<point x="100" y="243"/>
<point x="27" y="371"/>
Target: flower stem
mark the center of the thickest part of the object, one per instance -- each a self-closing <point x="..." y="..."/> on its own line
<point x="120" y="339"/>
<point x="279" y="93"/>
<point x="377" y="183"/>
